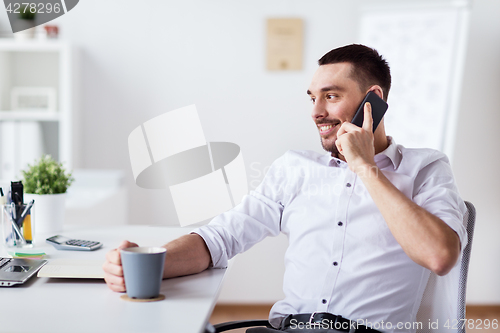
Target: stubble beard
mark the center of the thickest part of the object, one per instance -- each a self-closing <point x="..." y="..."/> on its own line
<point x="330" y="147"/>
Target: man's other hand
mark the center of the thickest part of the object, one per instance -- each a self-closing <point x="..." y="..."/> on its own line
<point x="113" y="271"/>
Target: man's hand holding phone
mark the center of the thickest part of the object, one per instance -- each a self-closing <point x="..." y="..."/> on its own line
<point x="356" y="144"/>
<point x="355" y="140"/>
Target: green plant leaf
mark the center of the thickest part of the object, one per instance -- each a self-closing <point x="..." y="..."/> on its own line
<point x="46" y="176"/>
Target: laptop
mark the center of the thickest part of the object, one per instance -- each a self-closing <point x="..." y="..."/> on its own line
<point x="17" y="271"/>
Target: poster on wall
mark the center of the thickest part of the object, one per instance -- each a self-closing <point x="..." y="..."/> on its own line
<point x="284" y="44"/>
<point x="425" y="48"/>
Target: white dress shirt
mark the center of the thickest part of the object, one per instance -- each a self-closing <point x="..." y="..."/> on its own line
<point x="342" y="258"/>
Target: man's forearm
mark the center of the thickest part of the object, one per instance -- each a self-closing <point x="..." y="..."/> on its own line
<point x="425" y="238"/>
<point x="186" y="255"/>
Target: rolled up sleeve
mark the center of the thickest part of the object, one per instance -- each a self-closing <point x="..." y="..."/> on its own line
<point x="237" y="230"/>
<point x="256" y="217"/>
<point x="438" y="194"/>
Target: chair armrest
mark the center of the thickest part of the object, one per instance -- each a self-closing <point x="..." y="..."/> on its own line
<point x="232" y="325"/>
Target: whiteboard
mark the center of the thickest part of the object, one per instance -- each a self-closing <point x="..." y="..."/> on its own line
<point x="425" y="48"/>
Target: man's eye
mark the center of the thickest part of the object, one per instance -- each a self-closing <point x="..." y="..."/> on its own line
<point x="313" y="100"/>
<point x="330" y="96"/>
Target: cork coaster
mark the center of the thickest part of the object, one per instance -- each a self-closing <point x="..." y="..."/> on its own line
<point x="125" y="297"/>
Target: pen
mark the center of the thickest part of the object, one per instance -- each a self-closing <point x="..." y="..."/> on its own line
<point x="13" y="208"/>
<point x="3" y="199"/>
<point x="3" y="202"/>
<point x="26" y="210"/>
<point x="25" y="221"/>
<point x="14" y="222"/>
<point x="14" y="225"/>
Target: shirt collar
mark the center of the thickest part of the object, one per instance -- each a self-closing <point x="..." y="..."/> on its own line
<point x="392" y="152"/>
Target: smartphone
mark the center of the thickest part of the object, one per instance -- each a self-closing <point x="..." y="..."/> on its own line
<point x="379" y="106"/>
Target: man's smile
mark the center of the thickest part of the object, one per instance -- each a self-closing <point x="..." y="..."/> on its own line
<point x="326" y="129"/>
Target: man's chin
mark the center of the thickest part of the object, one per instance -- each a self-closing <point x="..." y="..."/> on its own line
<point x="330" y="147"/>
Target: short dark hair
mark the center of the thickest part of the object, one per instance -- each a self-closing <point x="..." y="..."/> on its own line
<point x="369" y="67"/>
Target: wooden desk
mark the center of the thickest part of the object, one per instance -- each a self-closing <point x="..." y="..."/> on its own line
<point x="78" y="305"/>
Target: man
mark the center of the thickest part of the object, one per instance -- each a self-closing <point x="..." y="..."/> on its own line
<point x="366" y="223"/>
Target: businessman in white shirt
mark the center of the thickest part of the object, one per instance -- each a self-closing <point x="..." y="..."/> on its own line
<point x="366" y="223"/>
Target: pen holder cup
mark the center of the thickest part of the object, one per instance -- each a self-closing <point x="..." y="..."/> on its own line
<point x="18" y="226"/>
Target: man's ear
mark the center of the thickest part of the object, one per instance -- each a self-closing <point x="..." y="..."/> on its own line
<point x="377" y="90"/>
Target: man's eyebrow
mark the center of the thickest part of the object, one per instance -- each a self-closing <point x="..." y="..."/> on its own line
<point x="328" y="88"/>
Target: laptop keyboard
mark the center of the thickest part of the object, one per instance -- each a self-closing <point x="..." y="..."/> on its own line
<point x="4" y="261"/>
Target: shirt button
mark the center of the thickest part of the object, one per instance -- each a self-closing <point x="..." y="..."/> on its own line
<point x="335" y="263"/>
<point x="340" y="223"/>
<point x="323" y="301"/>
<point x="348" y="185"/>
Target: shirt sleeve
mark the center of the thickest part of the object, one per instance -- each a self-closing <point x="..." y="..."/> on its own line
<point x="256" y="217"/>
<point x="436" y="191"/>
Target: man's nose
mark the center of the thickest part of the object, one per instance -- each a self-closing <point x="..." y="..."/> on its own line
<point x="319" y="111"/>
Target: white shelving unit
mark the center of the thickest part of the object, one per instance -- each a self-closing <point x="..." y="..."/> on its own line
<point x="24" y="134"/>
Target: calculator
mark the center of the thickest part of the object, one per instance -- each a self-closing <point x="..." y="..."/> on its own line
<point x="65" y="243"/>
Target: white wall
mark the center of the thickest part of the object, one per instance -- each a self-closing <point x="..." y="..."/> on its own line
<point x="137" y="63"/>
<point x="476" y="157"/>
<point x="141" y="59"/>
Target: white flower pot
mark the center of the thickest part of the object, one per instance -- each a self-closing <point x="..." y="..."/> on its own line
<point x="48" y="212"/>
<point x="25" y="34"/>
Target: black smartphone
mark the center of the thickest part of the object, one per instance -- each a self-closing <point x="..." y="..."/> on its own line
<point x="379" y="106"/>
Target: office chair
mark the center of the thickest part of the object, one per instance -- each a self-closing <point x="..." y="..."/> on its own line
<point x="443" y="301"/>
<point x="437" y="304"/>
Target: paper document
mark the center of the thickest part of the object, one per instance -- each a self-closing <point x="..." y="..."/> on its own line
<point x="71" y="268"/>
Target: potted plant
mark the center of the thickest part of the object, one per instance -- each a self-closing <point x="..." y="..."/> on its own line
<point x="47" y="182"/>
<point x="26" y="20"/>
